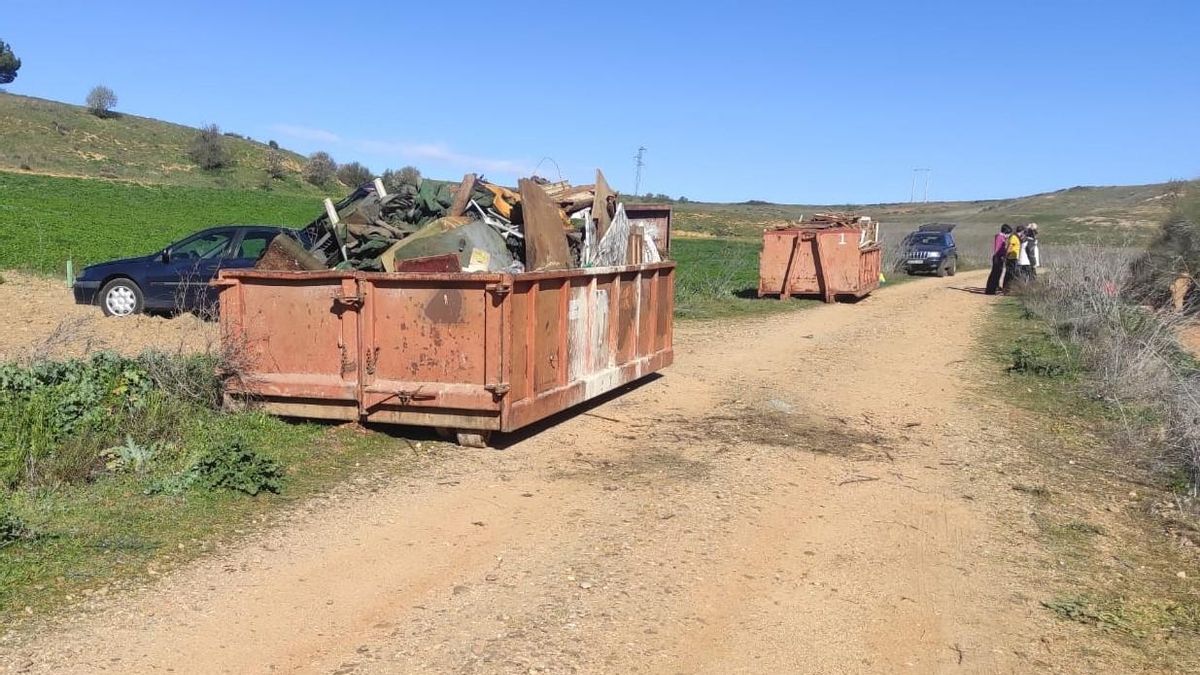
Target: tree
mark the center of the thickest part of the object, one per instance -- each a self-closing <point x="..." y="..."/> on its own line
<point x="275" y="167"/>
<point x="273" y="145"/>
<point x="208" y="149"/>
<point x="101" y="100"/>
<point x="320" y="169"/>
<point x="9" y="63"/>
<point x="409" y="175"/>
<point x="354" y="174"/>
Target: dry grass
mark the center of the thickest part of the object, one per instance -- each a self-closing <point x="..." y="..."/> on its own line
<point x="1130" y="352"/>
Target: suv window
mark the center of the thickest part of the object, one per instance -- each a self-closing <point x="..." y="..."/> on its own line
<point x="931" y="239"/>
<point x="254" y="244"/>
<point x="203" y="247"/>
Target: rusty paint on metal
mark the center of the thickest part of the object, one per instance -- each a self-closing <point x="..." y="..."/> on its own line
<point x="825" y="262"/>
<point x="466" y="351"/>
<point x="445" y="307"/>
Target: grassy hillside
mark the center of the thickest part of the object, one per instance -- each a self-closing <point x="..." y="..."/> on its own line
<point x="44" y="220"/>
<point x="1126" y="212"/>
<point x="48" y="137"/>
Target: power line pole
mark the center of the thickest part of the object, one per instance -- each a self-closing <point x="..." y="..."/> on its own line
<point x="640" y="162"/>
<point x="912" y="193"/>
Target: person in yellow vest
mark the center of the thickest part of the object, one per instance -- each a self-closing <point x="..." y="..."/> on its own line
<point x="1012" y="252"/>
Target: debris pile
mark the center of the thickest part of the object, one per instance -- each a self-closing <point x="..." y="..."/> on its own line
<point x="471" y="226"/>
<point x="822" y="221"/>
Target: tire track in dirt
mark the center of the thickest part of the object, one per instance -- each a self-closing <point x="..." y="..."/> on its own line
<point x="788" y="498"/>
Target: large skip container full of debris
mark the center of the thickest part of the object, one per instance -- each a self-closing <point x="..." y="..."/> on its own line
<point x="829" y="256"/>
<point x="456" y="335"/>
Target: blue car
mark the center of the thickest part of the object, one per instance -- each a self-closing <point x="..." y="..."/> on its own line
<point x="177" y="277"/>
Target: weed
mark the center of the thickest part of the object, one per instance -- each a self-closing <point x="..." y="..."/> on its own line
<point x="13" y="528"/>
<point x="1083" y="610"/>
<point x="1034" y="490"/>
<point x="129" y="457"/>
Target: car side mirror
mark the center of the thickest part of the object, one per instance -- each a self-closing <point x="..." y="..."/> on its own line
<point x="166" y="255"/>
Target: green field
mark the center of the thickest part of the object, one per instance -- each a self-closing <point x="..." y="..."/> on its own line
<point x="46" y="220"/>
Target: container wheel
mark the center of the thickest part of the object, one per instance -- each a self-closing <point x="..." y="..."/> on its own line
<point x="473" y="439"/>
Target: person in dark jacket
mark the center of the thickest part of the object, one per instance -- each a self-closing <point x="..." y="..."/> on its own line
<point x="1012" y="252"/>
<point x="998" y="247"/>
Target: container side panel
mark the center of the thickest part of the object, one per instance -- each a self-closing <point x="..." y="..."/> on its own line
<point x="431" y="333"/>
<point x="295" y="337"/>
<point x="666" y="306"/>
<point x="577" y="331"/>
<point x="547" y="335"/>
<point x="601" y="346"/>
<point x="646" y="318"/>
<point x="627" y="320"/>
<point x="520" y="347"/>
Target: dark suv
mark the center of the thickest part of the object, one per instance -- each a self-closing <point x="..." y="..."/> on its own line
<point x="931" y="249"/>
<point x="177" y="277"/>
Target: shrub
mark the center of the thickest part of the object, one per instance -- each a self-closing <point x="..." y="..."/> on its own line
<point x="231" y="465"/>
<point x="275" y="167"/>
<point x="273" y="145"/>
<point x="393" y="180"/>
<point x="354" y="174"/>
<point x="208" y="149"/>
<point x="320" y="169"/>
<point x="101" y="100"/>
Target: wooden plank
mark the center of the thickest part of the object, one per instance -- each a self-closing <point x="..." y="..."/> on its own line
<point x="545" y="239"/>
<point x="462" y="196"/>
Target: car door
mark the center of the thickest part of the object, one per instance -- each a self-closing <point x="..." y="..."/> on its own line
<point x="249" y="247"/>
<point x="180" y="280"/>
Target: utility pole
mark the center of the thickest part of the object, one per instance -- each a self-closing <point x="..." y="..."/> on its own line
<point x="640" y="162"/>
<point x="912" y="193"/>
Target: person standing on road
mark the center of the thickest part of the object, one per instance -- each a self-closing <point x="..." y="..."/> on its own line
<point x="1035" y="254"/>
<point x="1024" y="267"/>
<point x="998" y="247"/>
<point x="1012" y="252"/>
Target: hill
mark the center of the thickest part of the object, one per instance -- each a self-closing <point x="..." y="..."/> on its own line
<point x="1123" y="213"/>
<point x="59" y="139"/>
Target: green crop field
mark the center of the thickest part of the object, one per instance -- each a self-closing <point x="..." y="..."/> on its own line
<point x="46" y="220"/>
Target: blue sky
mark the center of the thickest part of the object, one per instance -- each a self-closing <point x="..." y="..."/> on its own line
<point x="802" y="102"/>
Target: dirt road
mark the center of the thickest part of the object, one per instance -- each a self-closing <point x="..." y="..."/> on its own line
<point x="812" y="492"/>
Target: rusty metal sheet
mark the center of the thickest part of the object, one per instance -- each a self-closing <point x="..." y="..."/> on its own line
<point x="600" y="212"/>
<point x="435" y="263"/>
<point x="545" y="238"/>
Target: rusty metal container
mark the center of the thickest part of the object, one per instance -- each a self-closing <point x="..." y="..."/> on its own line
<point x="471" y="353"/>
<point x="656" y="219"/>
<point x="826" y="262"/>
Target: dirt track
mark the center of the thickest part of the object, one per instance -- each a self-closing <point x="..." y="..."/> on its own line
<point x="40" y="320"/>
<point x="813" y="492"/>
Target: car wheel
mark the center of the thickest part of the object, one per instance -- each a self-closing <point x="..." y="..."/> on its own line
<point x="952" y="269"/>
<point x="121" y="297"/>
<point x="941" y="269"/>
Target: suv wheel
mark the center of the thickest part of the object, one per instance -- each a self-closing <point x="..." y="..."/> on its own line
<point x="953" y="268"/>
<point x="121" y="297"/>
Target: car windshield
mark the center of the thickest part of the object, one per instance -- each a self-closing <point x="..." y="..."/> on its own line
<point x="205" y="246"/>
<point x="928" y="239"/>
